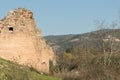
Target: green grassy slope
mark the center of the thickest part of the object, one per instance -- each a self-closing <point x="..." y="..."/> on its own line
<point x="13" y="71"/>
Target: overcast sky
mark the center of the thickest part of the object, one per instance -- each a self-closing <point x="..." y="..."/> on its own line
<point x="58" y="17"/>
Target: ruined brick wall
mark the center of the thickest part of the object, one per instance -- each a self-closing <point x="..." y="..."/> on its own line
<point x="20" y="42"/>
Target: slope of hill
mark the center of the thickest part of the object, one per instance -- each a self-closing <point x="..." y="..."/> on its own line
<point x="66" y="41"/>
<point x="90" y="56"/>
<point x="13" y="71"/>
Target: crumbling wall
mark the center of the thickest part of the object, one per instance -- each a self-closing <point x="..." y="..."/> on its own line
<point x="22" y="43"/>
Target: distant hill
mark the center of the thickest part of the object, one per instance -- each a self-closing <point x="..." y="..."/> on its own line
<point x="63" y="42"/>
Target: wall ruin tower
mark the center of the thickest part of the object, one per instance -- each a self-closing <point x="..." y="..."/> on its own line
<point x="21" y="43"/>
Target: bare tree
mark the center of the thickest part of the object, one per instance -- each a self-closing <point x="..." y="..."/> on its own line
<point x="109" y="40"/>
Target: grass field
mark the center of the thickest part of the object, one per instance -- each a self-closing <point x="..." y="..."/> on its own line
<point x="13" y="71"/>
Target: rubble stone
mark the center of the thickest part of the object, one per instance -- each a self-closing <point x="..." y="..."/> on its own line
<point x="22" y="43"/>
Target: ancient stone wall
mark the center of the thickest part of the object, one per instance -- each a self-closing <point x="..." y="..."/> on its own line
<point x="20" y="42"/>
